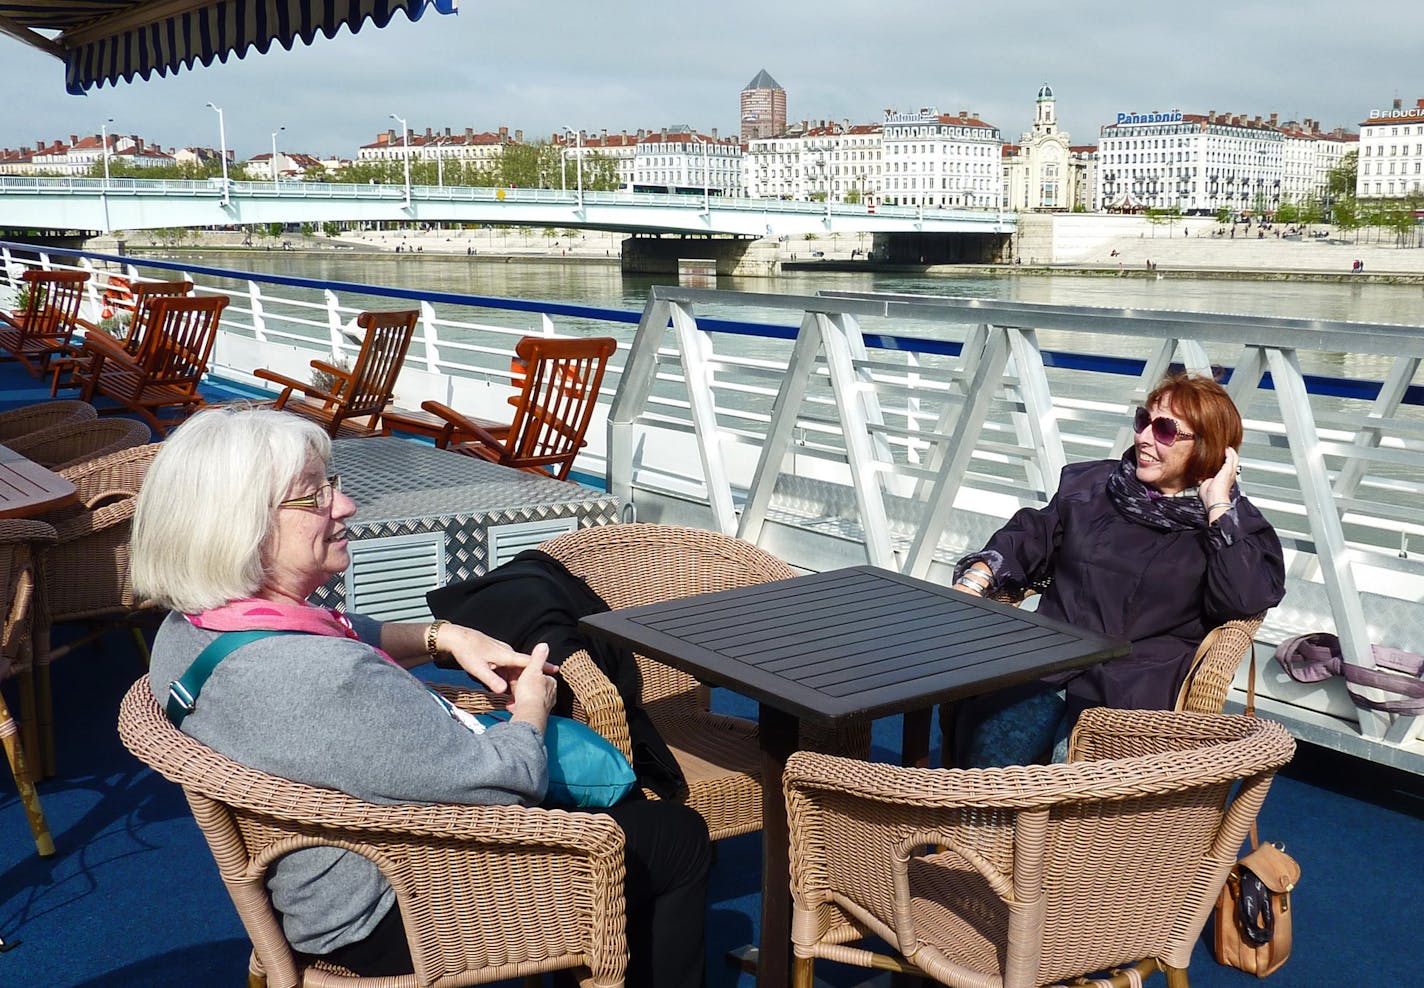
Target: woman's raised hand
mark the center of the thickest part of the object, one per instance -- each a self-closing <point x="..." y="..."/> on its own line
<point x="1217" y="489"/>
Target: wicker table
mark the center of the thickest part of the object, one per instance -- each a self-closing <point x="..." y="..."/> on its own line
<point x="427" y="516"/>
<point x="28" y="489"/>
<point x="854" y="642"/>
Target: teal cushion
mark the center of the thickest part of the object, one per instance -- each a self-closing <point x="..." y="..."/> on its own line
<point x="585" y="769"/>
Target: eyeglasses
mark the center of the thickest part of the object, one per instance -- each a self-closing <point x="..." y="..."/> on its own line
<point x="319" y="499"/>
<point x="1164" y="430"/>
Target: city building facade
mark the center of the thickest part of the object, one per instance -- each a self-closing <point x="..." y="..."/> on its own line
<point x="621" y="148"/>
<point x="1391" y="161"/>
<point x="480" y="150"/>
<point x="1044" y="172"/>
<point x="839" y="161"/>
<point x="763" y="107"/>
<point x="942" y="160"/>
<point x="1206" y="163"/>
<point x="680" y="160"/>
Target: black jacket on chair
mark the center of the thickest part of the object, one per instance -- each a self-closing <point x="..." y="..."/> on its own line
<point x="534" y="598"/>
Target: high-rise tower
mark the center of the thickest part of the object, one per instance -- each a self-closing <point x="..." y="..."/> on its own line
<point x="763" y="107"/>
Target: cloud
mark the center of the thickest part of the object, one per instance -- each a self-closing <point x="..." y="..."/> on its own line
<point x="543" y="65"/>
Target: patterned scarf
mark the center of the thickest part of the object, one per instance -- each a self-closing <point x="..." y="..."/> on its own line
<point x="256" y="614"/>
<point x="1148" y="506"/>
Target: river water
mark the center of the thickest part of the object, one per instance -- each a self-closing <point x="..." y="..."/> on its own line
<point x="601" y="285"/>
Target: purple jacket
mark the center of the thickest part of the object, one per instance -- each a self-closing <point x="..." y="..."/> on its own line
<point x="1162" y="590"/>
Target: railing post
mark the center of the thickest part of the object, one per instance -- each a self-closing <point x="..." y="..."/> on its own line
<point x="431" y="337"/>
<point x="635" y="385"/>
<point x="259" y="319"/>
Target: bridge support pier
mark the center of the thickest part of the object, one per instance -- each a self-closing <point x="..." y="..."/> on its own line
<point x="732" y="255"/>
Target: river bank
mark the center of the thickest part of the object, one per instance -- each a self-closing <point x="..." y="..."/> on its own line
<point x="1190" y="249"/>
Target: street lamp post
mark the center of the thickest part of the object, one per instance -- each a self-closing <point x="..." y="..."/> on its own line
<point x="274" y="154"/>
<point x="578" y="162"/>
<point x="222" y="151"/>
<point x="104" y="137"/>
<point x="405" y="145"/>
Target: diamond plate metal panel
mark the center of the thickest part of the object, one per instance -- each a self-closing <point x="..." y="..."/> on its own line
<point x="402" y="487"/>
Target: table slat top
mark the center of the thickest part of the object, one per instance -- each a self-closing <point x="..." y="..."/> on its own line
<point x="853" y="641"/>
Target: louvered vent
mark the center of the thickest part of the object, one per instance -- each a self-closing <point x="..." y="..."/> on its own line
<point x="388" y="577"/>
<point x="508" y="541"/>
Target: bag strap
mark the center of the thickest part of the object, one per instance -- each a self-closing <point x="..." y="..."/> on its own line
<point x="183" y="691"/>
<point x="1251" y="712"/>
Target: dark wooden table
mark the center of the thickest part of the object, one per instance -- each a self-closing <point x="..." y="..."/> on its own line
<point x="28" y="489"/>
<point x="853" y="642"/>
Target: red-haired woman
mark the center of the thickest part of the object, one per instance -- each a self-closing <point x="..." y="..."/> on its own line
<point x="1158" y="548"/>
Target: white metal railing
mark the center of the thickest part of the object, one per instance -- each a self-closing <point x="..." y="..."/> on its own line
<point x="905" y="429"/>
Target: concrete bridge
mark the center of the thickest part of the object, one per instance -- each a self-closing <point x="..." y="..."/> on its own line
<point x="140" y="204"/>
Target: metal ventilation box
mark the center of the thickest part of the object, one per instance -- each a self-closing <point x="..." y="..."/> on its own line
<point x="426" y="517"/>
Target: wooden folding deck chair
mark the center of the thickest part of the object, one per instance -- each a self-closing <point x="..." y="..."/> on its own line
<point x="551" y="411"/>
<point x="46" y="326"/>
<point x="172" y="358"/>
<point x="86" y="356"/>
<point x="353" y="405"/>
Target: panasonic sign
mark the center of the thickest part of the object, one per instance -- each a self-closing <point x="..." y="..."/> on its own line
<point x="1170" y="116"/>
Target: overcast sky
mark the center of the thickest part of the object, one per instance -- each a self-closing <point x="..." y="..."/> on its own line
<point x="544" y="64"/>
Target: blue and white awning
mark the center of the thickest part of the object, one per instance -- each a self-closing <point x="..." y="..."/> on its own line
<point x="108" y="40"/>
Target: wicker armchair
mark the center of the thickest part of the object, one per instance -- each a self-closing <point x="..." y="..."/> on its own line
<point x="69" y="444"/>
<point x="1029" y="875"/>
<point x="18" y="422"/>
<point x="18" y="541"/>
<point x="458" y="871"/>
<point x="85" y="573"/>
<point x="628" y="565"/>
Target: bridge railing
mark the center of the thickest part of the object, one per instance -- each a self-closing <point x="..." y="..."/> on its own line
<point x="288" y="189"/>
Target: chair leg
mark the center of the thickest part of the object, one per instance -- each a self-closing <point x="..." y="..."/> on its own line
<point x="30" y="718"/>
<point x="15" y="752"/>
<point x="44" y="704"/>
<point x="803" y="972"/>
<point x="1176" y="976"/>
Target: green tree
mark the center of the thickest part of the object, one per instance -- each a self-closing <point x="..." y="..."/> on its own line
<point x="1311" y="211"/>
<point x="1341" y="181"/>
<point x="331" y="228"/>
<point x="600" y="172"/>
<point x="1223" y="215"/>
<point x="274" y="230"/>
<point x="1287" y="212"/>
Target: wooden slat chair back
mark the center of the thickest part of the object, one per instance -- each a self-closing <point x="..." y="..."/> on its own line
<point x="555" y="403"/>
<point x="1029" y="875"/>
<point x="142" y="294"/>
<point x="353" y="405"/>
<point x="47" y="325"/>
<point x="457" y="870"/>
<point x="634" y="564"/>
<point x="171" y="360"/>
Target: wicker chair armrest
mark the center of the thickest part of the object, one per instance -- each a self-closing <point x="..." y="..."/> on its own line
<point x="198" y="768"/>
<point x="1165" y="748"/>
<point x="472" y="700"/>
<point x="93" y="521"/>
<point x="26" y="530"/>
<point x="596" y="701"/>
<point x="1214" y="666"/>
<point x="458" y="427"/>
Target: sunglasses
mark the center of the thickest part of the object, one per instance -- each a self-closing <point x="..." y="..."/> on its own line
<point x="1164" y="430"/>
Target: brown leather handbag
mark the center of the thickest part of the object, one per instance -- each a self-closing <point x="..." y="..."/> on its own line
<point x="1254" y="910"/>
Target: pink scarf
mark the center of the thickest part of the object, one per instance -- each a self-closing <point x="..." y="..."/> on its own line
<point x="256" y="614"/>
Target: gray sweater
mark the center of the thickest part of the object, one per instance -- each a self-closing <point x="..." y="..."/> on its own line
<point x="333" y="712"/>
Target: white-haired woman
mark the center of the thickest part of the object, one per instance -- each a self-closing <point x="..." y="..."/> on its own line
<point x="238" y="522"/>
